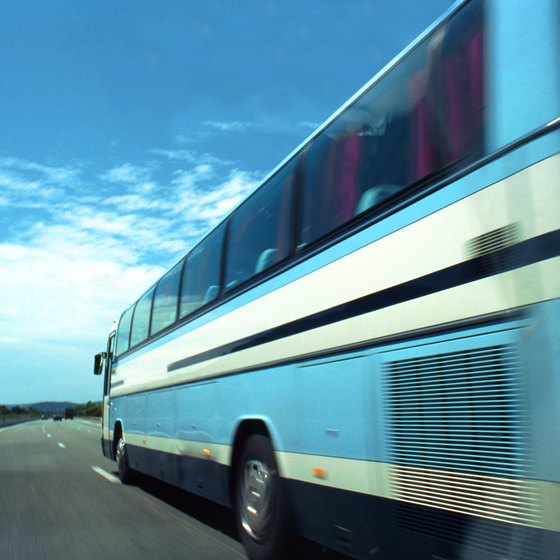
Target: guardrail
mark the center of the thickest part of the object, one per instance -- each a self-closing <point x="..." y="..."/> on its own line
<point x="5" y="422"/>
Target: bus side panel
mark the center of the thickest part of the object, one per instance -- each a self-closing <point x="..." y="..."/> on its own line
<point x="541" y="360"/>
<point x="200" y="410"/>
<point x="312" y="408"/>
<point x="472" y="498"/>
<point x="135" y="407"/>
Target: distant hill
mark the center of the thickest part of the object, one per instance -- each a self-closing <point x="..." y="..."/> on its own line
<point x="50" y="407"/>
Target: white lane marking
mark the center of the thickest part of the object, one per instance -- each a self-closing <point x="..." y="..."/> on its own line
<point x="61" y="445"/>
<point x="108" y="476"/>
<point x="49" y="435"/>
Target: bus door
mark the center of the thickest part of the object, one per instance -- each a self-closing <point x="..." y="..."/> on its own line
<point x="105" y="423"/>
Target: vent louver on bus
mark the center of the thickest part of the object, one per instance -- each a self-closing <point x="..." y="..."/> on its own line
<point x="492" y="249"/>
<point x="457" y="432"/>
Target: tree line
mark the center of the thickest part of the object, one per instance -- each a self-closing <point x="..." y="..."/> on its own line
<point x="90" y="408"/>
<point x="18" y="411"/>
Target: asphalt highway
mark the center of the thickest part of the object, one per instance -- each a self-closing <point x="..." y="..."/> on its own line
<point x="60" y="499"/>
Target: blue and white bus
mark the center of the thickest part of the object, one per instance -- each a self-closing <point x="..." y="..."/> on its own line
<point x="365" y="351"/>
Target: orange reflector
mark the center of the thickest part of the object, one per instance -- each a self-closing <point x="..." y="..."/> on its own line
<point x="318" y="472"/>
<point x="207" y="453"/>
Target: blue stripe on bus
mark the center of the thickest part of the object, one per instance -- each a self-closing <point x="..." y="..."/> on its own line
<point x="525" y="253"/>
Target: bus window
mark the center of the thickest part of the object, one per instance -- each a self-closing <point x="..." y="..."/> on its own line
<point x="260" y="232"/>
<point x="166" y="297"/>
<point x="361" y="159"/>
<point x="422" y="117"/>
<point x="318" y="204"/>
<point x="447" y="98"/>
<point x="141" y="320"/>
<point x="123" y="334"/>
<point x="386" y="132"/>
<point x="463" y="85"/>
<point x="201" y="277"/>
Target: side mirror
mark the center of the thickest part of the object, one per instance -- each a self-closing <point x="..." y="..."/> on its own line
<point x="98" y="363"/>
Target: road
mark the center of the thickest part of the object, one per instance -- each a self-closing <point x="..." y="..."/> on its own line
<point x="60" y="499"/>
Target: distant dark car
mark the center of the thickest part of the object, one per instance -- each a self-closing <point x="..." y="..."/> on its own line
<point x="57" y="417"/>
<point x="69" y="414"/>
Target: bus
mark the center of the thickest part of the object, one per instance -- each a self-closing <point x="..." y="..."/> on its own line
<point x="364" y="352"/>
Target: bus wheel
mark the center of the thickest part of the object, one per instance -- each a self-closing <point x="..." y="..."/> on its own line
<point x="126" y="474"/>
<point x="260" y="506"/>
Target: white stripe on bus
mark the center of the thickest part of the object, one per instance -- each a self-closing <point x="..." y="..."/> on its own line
<point x="444" y="236"/>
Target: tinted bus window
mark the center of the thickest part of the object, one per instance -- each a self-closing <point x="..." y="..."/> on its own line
<point x="260" y="233"/>
<point x="123" y="334"/>
<point x="166" y="300"/>
<point x="201" y="278"/>
<point x="421" y="118"/>
<point x="141" y="320"/>
<point x="463" y="86"/>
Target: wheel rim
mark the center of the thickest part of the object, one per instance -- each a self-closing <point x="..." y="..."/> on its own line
<point x="256" y="499"/>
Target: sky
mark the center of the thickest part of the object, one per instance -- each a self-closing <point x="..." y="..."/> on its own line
<point x="130" y="127"/>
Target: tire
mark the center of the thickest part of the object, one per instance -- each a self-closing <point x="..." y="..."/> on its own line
<point x="126" y="474"/>
<point x="260" y="503"/>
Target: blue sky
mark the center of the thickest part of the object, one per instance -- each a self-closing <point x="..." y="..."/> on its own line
<point x="130" y="127"/>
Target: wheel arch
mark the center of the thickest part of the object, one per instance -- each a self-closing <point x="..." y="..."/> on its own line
<point x="262" y="540"/>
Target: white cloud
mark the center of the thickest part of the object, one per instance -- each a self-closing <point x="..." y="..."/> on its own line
<point x="192" y="156"/>
<point x="187" y="179"/>
<point x="126" y="173"/>
<point x="28" y="185"/>
<point x="82" y="254"/>
<point x="232" y="126"/>
<point x="90" y="220"/>
<point x="214" y="202"/>
<point x="49" y="174"/>
<point x="309" y="125"/>
<point x="17" y="184"/>
<point x="145" y="187"/>
<point x="180" y="155"/>
<point x="132" y="202"/>
<point x="57" y="289"/>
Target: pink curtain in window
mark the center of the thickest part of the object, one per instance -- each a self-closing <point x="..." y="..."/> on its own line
<point x="463" y="94"/>
<point x="348" y="185"/>
<point x="340" y="183"/>
<point x="423" y="140"/>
